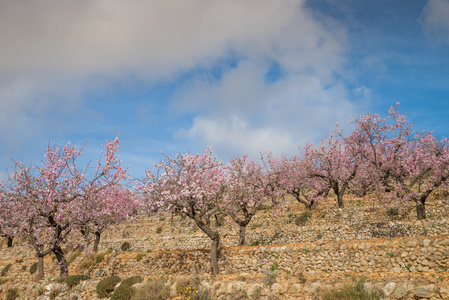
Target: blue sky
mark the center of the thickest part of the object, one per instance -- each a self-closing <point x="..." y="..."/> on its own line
<point x="242" y="75"/>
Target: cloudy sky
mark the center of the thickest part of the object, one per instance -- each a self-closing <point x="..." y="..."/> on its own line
<point x="242" y="75"/>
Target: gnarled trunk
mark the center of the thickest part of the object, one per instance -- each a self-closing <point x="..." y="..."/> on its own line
<point x="63" y="268"/>
<point x="421" y="209"/>
<point x="97" y="241"/>
<point x="215" y="237"/>
<point x="242" y="235"/>
<point x="214" y="255"/>
<point x="10" y="239"/>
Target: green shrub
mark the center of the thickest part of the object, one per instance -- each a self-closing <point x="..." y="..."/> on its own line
<point x="131" y="281"/>
<point x="75" y="280"/>
<point x="12" y="294"/>
<point x="106" y="286"/>
<point x="33" y="268"/>
<point x="125" y="246"/>
<point x="392" y="212"/>
<point x="139" y="256"/>
<point x="303" y="218"/>
<point x="355" y="291"/>
<point x="123" y="293"/>
<point x="153" y="290"/>
<point x="125" y="290"/>
<point x="6" y="269"/>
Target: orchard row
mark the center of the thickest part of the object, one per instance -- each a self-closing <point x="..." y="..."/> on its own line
<point x="46" y="204"/>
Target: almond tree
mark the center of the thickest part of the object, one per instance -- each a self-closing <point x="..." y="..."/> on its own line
<point x="104" y="208"/>
<point x="404" y="164"/>
<point x="333" y="162"/>
<point x="49" y="198"/>
<point x="297" y="180"/>
<point x="7" y="221"/>
<point x="191" y="185"/>
<point x="249" y="187"/>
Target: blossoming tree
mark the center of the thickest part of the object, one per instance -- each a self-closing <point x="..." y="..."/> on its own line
<point x="191" y="185"/>
<point x="405" y="164"/>
<point x="49" y="199"/>
<point x="250" y="187"/>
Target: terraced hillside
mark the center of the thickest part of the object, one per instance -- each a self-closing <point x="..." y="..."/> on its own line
<point x="292" y="254"/>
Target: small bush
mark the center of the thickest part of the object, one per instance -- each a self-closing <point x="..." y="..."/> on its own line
<point x="106" y="286"/>
<point x="139" y="256"/>
<point x="33" y="268"/>
<point x="12" y="294"/>
<point x="255" y="243"/>
<point x="188" y="288"/>
<point x="123" y="293"/>
<point x="75" y="280"/>
<point x="153" y="290"/>
<point x="100" y="257"/>
<point x="125" y="246"/>
<point x="125" y="290"/>
<point x="303" y="218"/>
<point x="131" y="281"/>
<point x="392" y="212"/>
<point x="6" y="269"/>
<point x="355" y="291"/>
<point x="159" y="230"/>
<point x="270" y="277"/>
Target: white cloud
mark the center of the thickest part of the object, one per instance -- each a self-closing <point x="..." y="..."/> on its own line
<point x="53" y="51"/>
<point x="435" y="21"/>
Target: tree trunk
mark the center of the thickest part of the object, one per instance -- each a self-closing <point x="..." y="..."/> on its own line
<point x="215" y="237"/>
<point x="421" y="209"/>
<point x="340" y="200"/>
<point x="40" y="267"/>
<point x="214" y="255"/>
<point x="10" y="239"/>
<point x="63" y="269"/>
<point x="242" y="235"/>
<point x="97" y="241"/>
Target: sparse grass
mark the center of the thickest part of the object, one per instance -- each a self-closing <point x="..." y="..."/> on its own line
<point x="355" y="291"/>
<point x="92" y="259"/>
<point x="73" y="256"/>
<point x="153" y="289"/>
<point x="256" y="225"/>
<point x="270" y="277"/>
